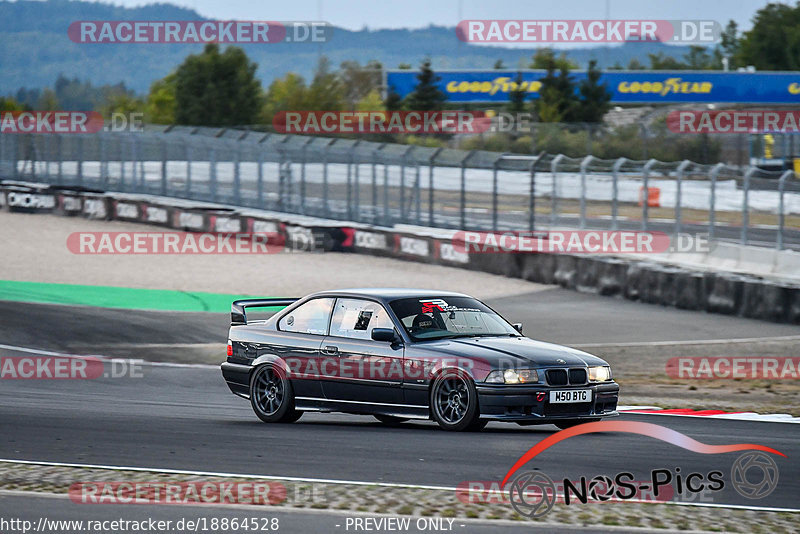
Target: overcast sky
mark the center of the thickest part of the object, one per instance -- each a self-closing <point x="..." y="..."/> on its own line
<point x="355" y="14"/>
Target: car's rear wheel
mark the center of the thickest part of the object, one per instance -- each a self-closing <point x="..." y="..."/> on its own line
<point x="569" y="423"/>
<point x="454" y="402"/>
<point x="391" y="419"/>
<point x="271" y="396"/>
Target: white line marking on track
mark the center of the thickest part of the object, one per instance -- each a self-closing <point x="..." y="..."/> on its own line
<point x="102" y="357"/>
<point x="351" y="482"/>
<point x="688" y="342"/>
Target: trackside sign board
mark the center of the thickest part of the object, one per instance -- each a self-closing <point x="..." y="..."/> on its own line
<point x="625" y="87"/>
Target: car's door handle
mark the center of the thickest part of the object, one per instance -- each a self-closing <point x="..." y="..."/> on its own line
<point x="330" y="349"/>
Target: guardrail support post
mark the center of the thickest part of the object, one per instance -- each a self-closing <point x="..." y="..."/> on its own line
<point x="554" y="193"/>
<point x="679" y="176"/>
<point x="746" y="203"/>
<point x="495" y="166"/>
<point x="781" y="211"/>
<point x="532" y="192"/>
<point x="712" y="201"/>
<point x="463" y="201"/>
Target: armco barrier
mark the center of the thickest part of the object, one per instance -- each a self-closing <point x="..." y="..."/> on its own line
<point x="633" y="279"/>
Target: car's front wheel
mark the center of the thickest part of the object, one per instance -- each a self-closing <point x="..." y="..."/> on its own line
<point x="271" y="396"/>
<point x="454" y="402"/>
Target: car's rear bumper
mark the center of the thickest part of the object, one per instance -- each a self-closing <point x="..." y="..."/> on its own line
<point x="237" y="376"/>
<point x="531" y="404"/>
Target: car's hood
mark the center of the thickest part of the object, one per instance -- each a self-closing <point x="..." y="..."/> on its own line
<point x="515" y="350"/>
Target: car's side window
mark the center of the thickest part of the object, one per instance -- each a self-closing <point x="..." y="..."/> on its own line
<point x="309" y="318"/>
<point x="355" y="318"/>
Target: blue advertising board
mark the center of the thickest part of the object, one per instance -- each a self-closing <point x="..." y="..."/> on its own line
<point x="645" y="87"/>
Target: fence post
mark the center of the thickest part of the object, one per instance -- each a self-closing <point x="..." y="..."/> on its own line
<point x="463" y="219"/>
<point x="303" y="176"/>
<point x="554" y="194"/>
<point x="80" y="159"/>
<point x="375" y="182"/>
<point x="713" y="198"/>
<point x="187" y="186"/>
<point x="746" y="203"/>
<point x="103" y="161"/>
<point x="532" y="197"/>
<point x="164" y="168"/>
<point x="678" y="199"/>
<point x="59" y="143"/>
<point x="615" y="191"/>
<point x="122" y="176"/>
<point x="495" y="166"/>
<point x="237" y="177"/>
<point x="349" y="179"/>
<point x="646" y="191"/>
<point x="325" y="208"/>
<point x="781" y="212"/>
<point x="584" y="164"/>
<point x="431" y="199"/>
<point x="212" y="184"/>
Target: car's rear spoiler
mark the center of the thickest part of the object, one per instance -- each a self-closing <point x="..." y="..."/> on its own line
<point x="238" y="315"/>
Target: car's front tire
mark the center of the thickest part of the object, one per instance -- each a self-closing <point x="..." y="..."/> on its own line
<point x="271" y="395"/>
<point x="454" y="402"/>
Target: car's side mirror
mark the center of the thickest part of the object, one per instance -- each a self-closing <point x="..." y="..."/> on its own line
<point x="517" y="327"/>
<point x="383" y="334"/>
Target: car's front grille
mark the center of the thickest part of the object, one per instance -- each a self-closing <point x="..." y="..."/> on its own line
<point x="577" y="376"/>
<point x="562" y="377"/>
<point x="556" y="377"/>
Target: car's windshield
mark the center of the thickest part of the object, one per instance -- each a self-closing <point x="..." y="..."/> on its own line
<point x="447" y="317"/>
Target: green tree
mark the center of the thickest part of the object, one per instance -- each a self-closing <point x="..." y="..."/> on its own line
<point x="557" y="101"/>
<point x="517" y="96"/>
<point x="360" y="81"/>
<point x="773" y="43"/>
<point x="498" y="65"/>
<point x="284" y="94"/>
<point x="544" y="57"/>
<point x="635" y="64"/>
<point x="9" y="104"/>
<point x="426" y="95"/>
<point x="393" y="102"/>
<point x="326" y="91"/>
<point x="594" y="98"/>
<point x="217" y="89"/>
<point x="160" y="104"/>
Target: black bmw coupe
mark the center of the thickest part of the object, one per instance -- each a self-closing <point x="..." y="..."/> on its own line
<point x="401" y="354"/>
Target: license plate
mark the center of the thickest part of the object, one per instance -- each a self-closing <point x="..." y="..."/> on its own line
<point x="571" y="395"/>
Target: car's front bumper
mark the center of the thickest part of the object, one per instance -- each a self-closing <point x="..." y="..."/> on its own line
<point x="531" y="404"/>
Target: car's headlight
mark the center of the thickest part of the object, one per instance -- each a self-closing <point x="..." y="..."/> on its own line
<point x="512" y="376"/>
<point x="599" y="374"/>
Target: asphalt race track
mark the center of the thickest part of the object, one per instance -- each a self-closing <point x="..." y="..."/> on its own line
<point x="185" y="418"/>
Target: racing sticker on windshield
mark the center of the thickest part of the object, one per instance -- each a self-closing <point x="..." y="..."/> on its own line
<point x="433" y="304"/>
<point x="429" y="305"/>
<point x="363" y="320"/>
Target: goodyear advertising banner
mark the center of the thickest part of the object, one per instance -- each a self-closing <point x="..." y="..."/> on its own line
<point x="625" y="87"/>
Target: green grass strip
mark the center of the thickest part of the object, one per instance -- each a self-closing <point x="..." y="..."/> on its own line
<point x="118" y="297"/>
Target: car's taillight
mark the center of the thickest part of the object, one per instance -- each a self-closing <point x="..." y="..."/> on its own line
<point x="230" y="348"/>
